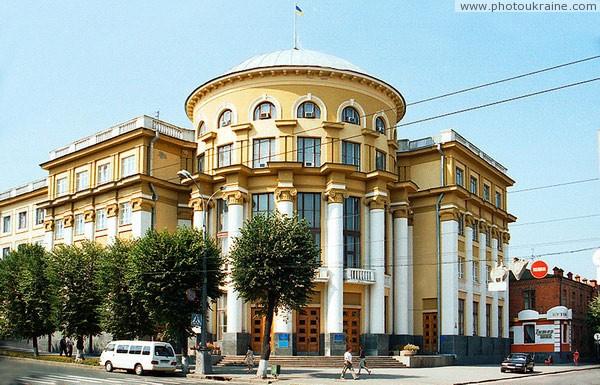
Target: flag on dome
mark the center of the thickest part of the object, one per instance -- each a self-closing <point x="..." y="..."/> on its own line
<point x="299" y="11"/>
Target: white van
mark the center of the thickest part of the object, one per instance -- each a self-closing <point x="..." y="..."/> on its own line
<point x="139" y="356"/>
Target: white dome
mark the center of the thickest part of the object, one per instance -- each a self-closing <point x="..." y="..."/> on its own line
<point x="295" y="57"/>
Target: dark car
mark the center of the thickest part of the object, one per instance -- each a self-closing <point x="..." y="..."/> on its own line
<point x="522" y="362"/>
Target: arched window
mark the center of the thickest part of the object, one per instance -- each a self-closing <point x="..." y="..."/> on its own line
<point x="201" y="128"/>
<point x="380" y="125"/>
<point x="265" y="110"/>
<point x="225" y="118"/>
<point x="309" y="110"/>
<point x="350" y="115"/>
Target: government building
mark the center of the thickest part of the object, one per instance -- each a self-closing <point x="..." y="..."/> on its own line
<point x="408" y="229"/>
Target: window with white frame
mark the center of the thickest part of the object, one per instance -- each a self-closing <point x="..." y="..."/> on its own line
<point x="308" y="110"/>
<point x="5" y="251"/>
<point x="22" y="220"/>
<point x="6" y="224"/>
<point x="125" y="213"/>
<point x="461" y="267"/>
<point x="61" y="186"/>
<point x="128" y="166"/>
<point x="351" y="153"/>
<point x="79" y="224"/>
<point x="101" y="219"/>
<point x="104" y="173"/>
<point x="224" y="156"/>
<point x="263" y="150"/>
<point x="350" y="115"/>
<point x="59" y="229"/>
<point x="39" y="216"/>
<point x="265" y="110"/>
<point x="475" y="271"/>
<point x="225" y="118"/>
<point x="486" y="192"/>
<point x="82" y="180"/>
<point x="380" y="125"/>
<point x="309" y="152"/>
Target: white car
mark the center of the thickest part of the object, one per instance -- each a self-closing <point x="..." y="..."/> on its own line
<point x="139" y="356"/>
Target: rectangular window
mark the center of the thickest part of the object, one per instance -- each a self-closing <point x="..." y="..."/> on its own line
<point x="263" y="204"/>
<point x="104" y="174"/>
<point x="459" y="177"/>
<point x="351" y="153"/>
<point x="128" y="166"/>
<point x="500" y="325"/>
<point x="461" y="224"/>
<point x="498" y="200"/>
<point x="82" y="180"/>
<point x="39" y="216"/>
<point x="59" y="229"/>
<point x="475" y="318"/>
<point x="461" y="317"/>
<point x="201" y="162"/>
<point x="5" y="251"/>
<point x="146" y="351"/>
<point x="6" y="226"/>
<point x="263" y="150"/>
<point x="224" y="156"/>
<point x="22" y="220"/>
<point x="122" y="348"/>
<point x="476" y="271"/>
<point x="125" y="213"/>
<point x="488" y="319"/>
<point x="351" y="232"/>
<point x="380" y="160"/>
<point x="486" y="192"/>
<point x="473" y="186"/>
<point x="475" y="232"/>
<point x="488" y="237"/>
<point x="529" y="299"/>
<point x="461" y="267"/>
<point x="309" y="152"/>
<point x="222" y="211"/>
<point x="79" y="224"/>
<point x="101" y="219"/>
<point x="61" y="186"/>
<point x="529" y="333"/>
<point x="309" y="208"/>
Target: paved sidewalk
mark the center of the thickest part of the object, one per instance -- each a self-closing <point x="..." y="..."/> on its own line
<point x="447" y="375"/>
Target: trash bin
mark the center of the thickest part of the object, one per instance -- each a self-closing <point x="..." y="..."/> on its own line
<point x="275" y="370"/>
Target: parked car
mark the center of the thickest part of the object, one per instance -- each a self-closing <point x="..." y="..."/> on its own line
<point x="139" y="356"/>
<point x="522" y="362"/>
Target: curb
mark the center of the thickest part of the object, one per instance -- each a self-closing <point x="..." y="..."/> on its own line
<point x="525" y="376"/>
<point x="53" y="363"/>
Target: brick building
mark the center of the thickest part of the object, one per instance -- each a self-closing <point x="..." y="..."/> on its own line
<point x="548" y="315"/>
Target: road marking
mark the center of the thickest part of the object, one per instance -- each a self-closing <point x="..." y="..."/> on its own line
<point x="72" y="378"/>
<point x="28" y="380"/>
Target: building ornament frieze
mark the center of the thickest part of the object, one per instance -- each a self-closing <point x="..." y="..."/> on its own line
<point x="285" y="194"/>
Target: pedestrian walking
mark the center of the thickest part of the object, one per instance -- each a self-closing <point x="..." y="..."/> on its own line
<point x="576" y="357"/>
<point x="69" y="343"/>
<point x="62" y="346"/>
<point x="363" y="361"/>
<point x="348" y="365"/>
<point x="79" y="346"/>
<point x="249" y="359"/>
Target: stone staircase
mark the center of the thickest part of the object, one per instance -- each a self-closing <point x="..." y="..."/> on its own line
<point x="314" y="361"/>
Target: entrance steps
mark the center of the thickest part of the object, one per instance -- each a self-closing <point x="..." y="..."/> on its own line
<point x="315" y="361"/>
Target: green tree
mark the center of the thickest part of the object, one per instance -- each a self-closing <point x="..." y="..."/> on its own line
<point x="164" y="266"/>
<point x="25" y="301"/>
<point x="74" y="269"/>
<point x="120" y="313"/>
<point x="273" y="265"/>
<point x="593" y="315"/>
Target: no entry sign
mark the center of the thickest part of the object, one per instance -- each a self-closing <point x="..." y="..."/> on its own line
<point x="539" y="269"/>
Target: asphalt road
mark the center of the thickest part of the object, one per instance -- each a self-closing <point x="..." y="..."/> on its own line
<point x="21" y="372"/>
<point x="583" y="377"/>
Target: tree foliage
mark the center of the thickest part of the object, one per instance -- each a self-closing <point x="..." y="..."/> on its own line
<point x="163" y="267"/>
<point x="25" y="298"/>
<point x="73" y="270"/>
<point x="121" y="314"/>
<point x="593" y="315"/>
<point x="273" y="265"/>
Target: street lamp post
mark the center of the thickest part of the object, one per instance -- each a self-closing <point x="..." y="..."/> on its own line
<point x="203" y="357"/>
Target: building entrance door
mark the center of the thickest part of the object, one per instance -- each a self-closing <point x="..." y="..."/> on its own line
<point x="430" y="333"/>
<point x="308" y="331"/>
<point x="352" y="328"/>
<point x="257" y="327"/>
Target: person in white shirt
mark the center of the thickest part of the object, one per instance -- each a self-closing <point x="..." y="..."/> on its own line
<point x="348" y="364"/>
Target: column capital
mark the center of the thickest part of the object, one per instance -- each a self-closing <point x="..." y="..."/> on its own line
<point x="112" y="210"/>
<point x="483" y="226"/>
<point x="49" y="225"/>
<point x="335" y="195"/>
<point x="140" y="204"/>
<point x="285" y="194"/>
<point x="68" y="220"/>
<point x="400" y="211"/>
<point x="376" y="202"/>
<point x="198" y="204"/>
<point x="449" y="214"/>
<point x="496" y="233"/>
<point x="469" y="219"/>
<point x="235" y="197"/>
<point x="89" y="215"/>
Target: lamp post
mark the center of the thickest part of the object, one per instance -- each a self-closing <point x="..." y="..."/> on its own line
<point x="203" y="358"/>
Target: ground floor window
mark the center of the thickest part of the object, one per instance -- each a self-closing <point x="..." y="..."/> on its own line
<point x="461" y="317"/>
<point x="529" y="333"/>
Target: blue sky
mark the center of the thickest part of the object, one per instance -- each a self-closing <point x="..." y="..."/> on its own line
<point x="70" y="68"/>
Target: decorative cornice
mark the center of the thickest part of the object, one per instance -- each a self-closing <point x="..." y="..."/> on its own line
<point x="335" y="195"/>
<point x="112" y="210"/>
<point x="235" y="197"/>
<point x="505" y="237"/>
<point x="285" y="194"/>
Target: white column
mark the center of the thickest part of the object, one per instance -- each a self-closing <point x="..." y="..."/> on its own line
<point x="111" y="227"/>
<point x="482" y="285"/>
<point x="449" y="295"/>
<point x="494" y="315"/>
<point x="411" y="281"/>
<point x="401" y="275"/>
<point x="377" y="257"/>
<point x="141" y="221"/>
<point x="505" y="309"/>
<point x="49" y="237"/>
<point x="469" y="281"/>
<point x="68" y="235"/>
<point x="335" y="263"/>
<point x="235" y="220"/>
<point x="285" y="206"/>
<point x="198" y="220"/>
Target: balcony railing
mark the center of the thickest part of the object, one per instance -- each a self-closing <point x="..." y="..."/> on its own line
<point x="361" y="276"/>
<point x="322" y="275"/>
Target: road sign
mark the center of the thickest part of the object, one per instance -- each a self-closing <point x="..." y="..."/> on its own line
<point x="539" y="269"/>
<point x="597" y="336"/>
<point x="196" y="319"/>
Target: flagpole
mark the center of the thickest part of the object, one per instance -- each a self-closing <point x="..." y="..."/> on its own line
<point x="295" y="42"/>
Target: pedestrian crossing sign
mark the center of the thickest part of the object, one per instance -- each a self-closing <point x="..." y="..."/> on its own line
<point x="196" y="319"/>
